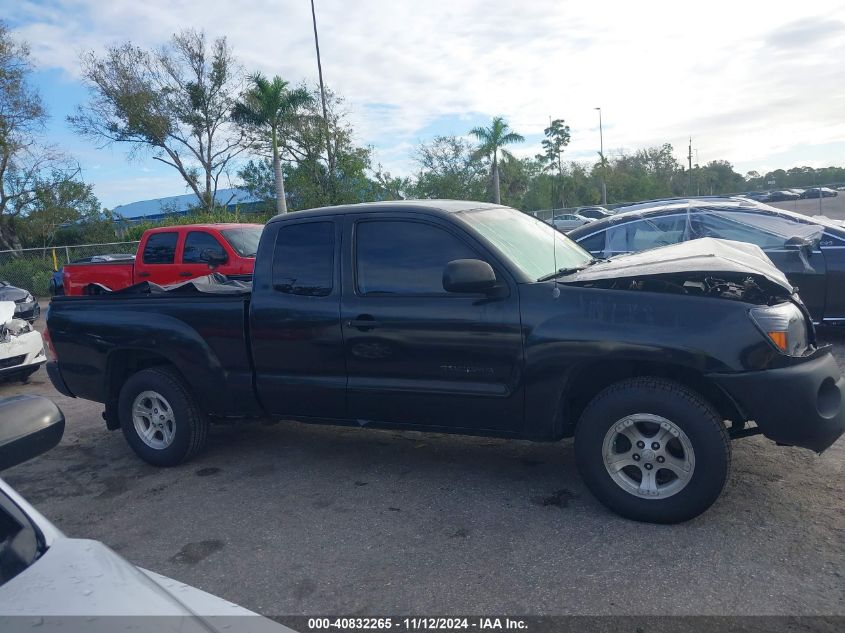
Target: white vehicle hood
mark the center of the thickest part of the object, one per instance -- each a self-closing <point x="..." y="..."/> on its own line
<point x="705" y="256"/>
<point x="82" y="585"/>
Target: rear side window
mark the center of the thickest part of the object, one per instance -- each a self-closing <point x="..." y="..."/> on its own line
<point x="303" y="259"/>
<point x="404" y="258"/>
<point x="201" y="247"/>
<point x="594" y="243"/>
<point x="160" y="248"/>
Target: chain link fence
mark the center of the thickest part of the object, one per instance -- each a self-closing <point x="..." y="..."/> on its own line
<point x="33" y="268"/>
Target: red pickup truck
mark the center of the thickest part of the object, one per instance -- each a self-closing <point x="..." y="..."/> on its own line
<point x="170" y="254"/>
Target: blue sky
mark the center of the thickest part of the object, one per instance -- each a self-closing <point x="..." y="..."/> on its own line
<point x="757" y="83"/>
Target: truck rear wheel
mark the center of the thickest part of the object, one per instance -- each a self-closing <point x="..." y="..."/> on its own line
<point x="160" y="418"/>
<point x="653" y="450"/>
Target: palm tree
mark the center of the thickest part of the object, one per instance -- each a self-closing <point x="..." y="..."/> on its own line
<point x="266" y="106"/>
<point x="492" y="141"/>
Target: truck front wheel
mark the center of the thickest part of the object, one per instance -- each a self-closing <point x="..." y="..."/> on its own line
<point x="160" y="418"/>
<point x="653" y="450"/>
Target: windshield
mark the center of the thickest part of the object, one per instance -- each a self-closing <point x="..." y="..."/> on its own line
<point x="533" y="246"/>
<point x="244" y="239"/>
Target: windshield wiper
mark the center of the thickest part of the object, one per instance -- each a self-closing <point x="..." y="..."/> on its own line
<point x="562" y="272"/>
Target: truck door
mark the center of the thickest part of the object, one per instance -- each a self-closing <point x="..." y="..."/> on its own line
<point x="416" y="354"/>
<point x="295" y="333"/>
<point x="157" y="259"/>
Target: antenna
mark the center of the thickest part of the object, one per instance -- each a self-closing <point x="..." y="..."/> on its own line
<point x="555" y="288"/>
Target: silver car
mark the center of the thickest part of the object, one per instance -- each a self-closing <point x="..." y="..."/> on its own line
<point x="568" y="221"/>
<point x="49" y="581"/>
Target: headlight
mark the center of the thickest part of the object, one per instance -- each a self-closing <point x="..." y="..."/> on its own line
<point x="28" y="298"/>
<point x="784" y="325"/>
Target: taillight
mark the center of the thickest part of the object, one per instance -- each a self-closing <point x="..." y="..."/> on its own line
<point x="49" y="342"/>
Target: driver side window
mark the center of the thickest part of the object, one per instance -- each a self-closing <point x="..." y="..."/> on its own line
<point x="399" y="257"/>
<point x="201" y="247"/>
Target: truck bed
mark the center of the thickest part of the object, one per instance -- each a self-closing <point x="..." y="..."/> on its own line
<point x="203" y="334"/>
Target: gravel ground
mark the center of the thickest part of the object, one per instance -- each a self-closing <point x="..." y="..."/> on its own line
<point x="295" y="519"/>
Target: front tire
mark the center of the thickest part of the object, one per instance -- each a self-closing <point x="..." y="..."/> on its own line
<point x="653" y="450"/>
<point x="160" y="418"/>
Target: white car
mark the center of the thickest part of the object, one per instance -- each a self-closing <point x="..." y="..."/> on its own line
<point x="51" y="582"/>
<point x="568" y="221"/>
<point x="21" y="345"/>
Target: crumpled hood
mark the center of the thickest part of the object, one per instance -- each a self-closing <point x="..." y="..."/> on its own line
<point x="706" y="256"/>
<point x="12" y="293"/>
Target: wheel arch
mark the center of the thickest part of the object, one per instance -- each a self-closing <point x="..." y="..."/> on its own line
<point x="587" y="380"/>
<point x="120" y="365"/>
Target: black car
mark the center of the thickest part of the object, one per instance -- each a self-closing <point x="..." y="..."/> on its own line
<point x="465" y="317"/>
<point x="782" y="196"/>
<point x="26" y="306"/>
<point x="809" y="250"/>
<point x="819" y="192"/>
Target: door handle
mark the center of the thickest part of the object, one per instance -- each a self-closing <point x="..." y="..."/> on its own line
<point x="363" y="322"/>
<point x="185" y="273"/>
<point x="143" y="274"/>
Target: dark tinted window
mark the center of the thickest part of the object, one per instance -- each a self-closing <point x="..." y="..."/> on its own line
<point x="199" y="246"/>
<point x="404" y="258"/>
<point x="160" y="248"/>
<point x="594" y="243"/>
<point x="303" y="260"/>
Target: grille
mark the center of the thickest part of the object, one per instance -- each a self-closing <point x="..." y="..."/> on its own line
<point x="12" y="361"/>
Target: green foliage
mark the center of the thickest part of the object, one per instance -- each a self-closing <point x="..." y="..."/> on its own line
<point x="449" y="169"/>
<point x="32" y="274"/>
<point x="217" y="216"/>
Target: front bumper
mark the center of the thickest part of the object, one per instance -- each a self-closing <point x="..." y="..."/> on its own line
<point x="800" y="405"/>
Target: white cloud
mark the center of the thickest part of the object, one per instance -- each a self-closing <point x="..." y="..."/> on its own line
<point x="745" y="79"/>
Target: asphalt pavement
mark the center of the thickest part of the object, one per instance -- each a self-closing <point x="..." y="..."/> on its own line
<point x="287" y="518"/>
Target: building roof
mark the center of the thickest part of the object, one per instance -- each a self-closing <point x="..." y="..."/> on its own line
<point x="159" y="207"/>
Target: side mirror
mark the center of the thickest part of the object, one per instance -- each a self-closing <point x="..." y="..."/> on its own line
<point x="213" y="257"/>
<point x="32" y="425"/>
<point x="468" y="275"/>
<point x="798" y="243"/>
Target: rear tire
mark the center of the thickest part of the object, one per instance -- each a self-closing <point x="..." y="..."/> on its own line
<point x="653" y="450"/>
<point x="160" y="418"/>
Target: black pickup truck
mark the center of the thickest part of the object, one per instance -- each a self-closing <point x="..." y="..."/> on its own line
<point x="469" y="318"/>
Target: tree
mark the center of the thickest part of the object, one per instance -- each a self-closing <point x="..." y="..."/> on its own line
<point x="60" y="200"/>
<point x="557" y="138"/>
<point x="264" y="108"/>
<point x="450" y="169"/>
<point x="309" y="179"/>
<point x="492" y="141"/>
<point x="30" y="172"/>
<point x="175" y="103"/>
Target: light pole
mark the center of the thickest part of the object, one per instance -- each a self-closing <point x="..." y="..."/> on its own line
<point x="323" y="98"/>
<point x="601" y="154"/>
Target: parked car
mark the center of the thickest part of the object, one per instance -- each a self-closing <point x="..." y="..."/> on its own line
<point x="57" y="283"/>
<point x="759" y="196"/>
<point x="819" y="192"/>
<point x="170" y="254"/>
<point x="50" y="580"/>
<point x="649" y="204"/>
<point x="21" y="346"/>
<point x="593" y="213"/>
<point x="796" y="190"/>
<point x="782" y="196"/>
<point x="568" y="221"/>
<point x="469" y="318"/>
<point x="26" y="306"/>
<point x="809" y="250"/>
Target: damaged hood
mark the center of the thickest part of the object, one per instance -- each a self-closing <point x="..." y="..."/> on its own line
<point x="706" y="256"/>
